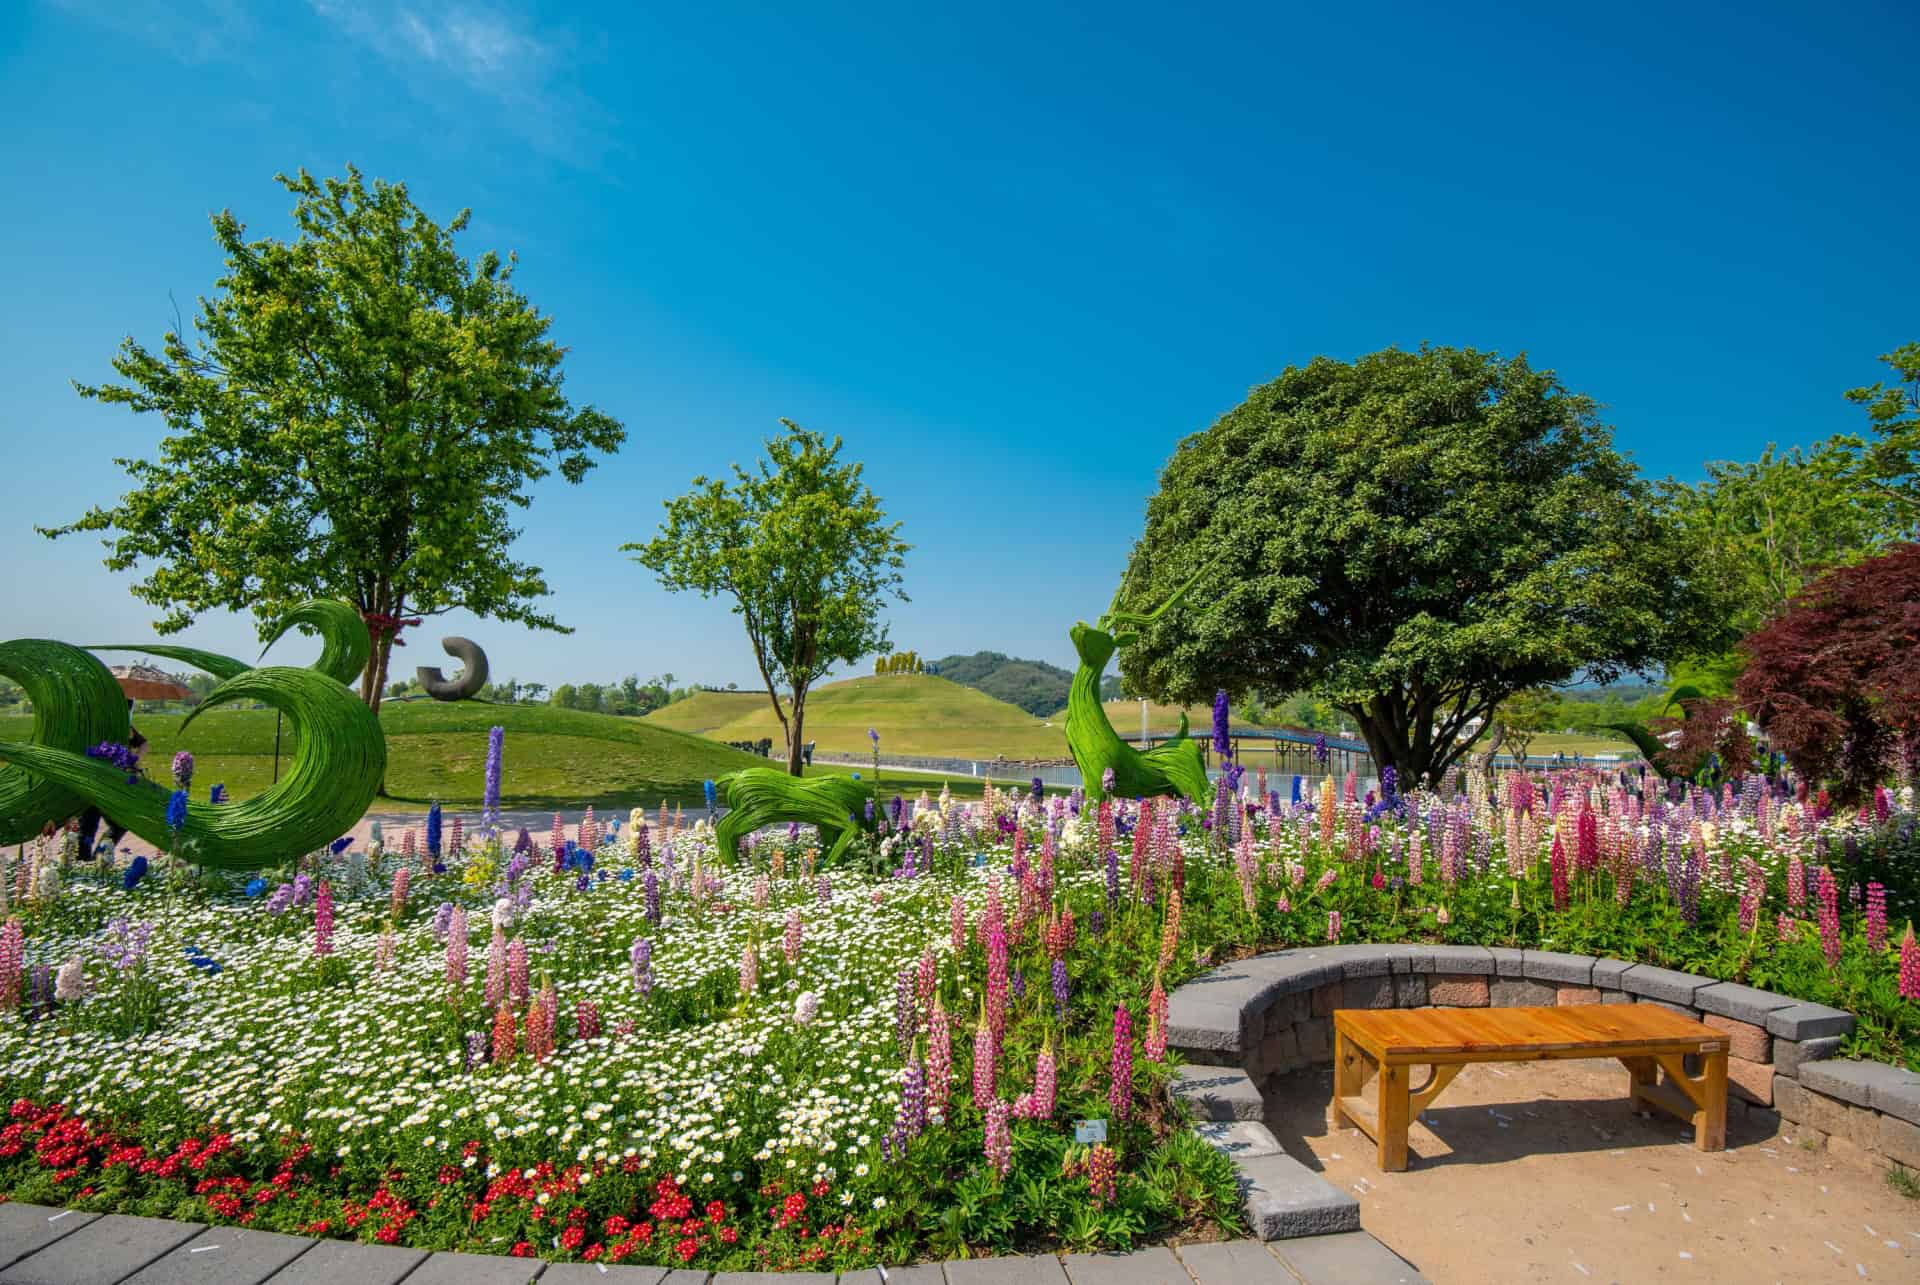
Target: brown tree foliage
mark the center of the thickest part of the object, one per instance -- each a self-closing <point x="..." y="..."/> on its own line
<point x="1834" y="678"/>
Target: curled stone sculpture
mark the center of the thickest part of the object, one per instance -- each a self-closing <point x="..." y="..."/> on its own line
<point x="471" y="679"/>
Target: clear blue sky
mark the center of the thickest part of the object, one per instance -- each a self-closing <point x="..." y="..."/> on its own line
<point x="1012" y="256"/>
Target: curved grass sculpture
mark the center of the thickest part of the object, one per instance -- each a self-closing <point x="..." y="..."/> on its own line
<point x="76" y="704"/>
<point x="339" y="758"/>
<point x="1174" y="767"/>
<point x="761" y="796"/>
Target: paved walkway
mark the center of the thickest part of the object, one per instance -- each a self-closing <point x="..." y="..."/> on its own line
<point x="40" y="1246"/>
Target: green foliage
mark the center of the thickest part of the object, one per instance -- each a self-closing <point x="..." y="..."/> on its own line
<point x="1033" y="685"/>
<point x="805" y="551"/>
<point x="1891" y="463"/>
<point x="358" y="416"/>
<point x="763" y="796"/>
<point x="1523" y="716"/>
<point x="76" y="705"/>
<point x="1765" y="529"/>
<point x="1413" y="537"/>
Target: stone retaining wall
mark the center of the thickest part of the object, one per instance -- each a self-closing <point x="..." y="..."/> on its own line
<point x="1270" y="1014"/>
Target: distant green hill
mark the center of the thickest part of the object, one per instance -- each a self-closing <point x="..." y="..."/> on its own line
<point x="1033" y="685"/>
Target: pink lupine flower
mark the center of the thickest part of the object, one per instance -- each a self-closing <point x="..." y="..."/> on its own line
<point x="457" y="841"/>
<point x="1120" y="1082"/>
<point x="998" y="1141"/>
<point x="760" y="891"/>
<point x="790" y="943"/>
<point x="1909" y="966"/>
<point x="1796" y="883"/>
<point x="1283" y="905"/>
<point x="13" y="952"/>
<point x="749" y="970"/>
<point x="957" y="925"/>
<point x="586" y="1020"/>
<point x="504" y="1036"/>
<point x="1333" y="925"/>
<point x="457" y="950"/>
<point x="1785" y="926"/>
<point x="407" y="845"/>
<point x="939" y="1059"/>
<point x="984" y="1054"/>
<point x="1558" y="863"/>
<point x="1045" y="1075"/>
<point x="518" y="983"/>
<point x="589" y="831"/>
<point x="928" y="979"/>
<point x="1876" y="918"/>
<point x="323" y="919"/>
<point x="1829" y="918"/>
<point x="1751" y="896"/>
<point x="402" y="881"/>
<point x="558" y="836"/>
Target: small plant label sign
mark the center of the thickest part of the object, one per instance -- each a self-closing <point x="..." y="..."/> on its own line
<point x="1089" y="1130"/>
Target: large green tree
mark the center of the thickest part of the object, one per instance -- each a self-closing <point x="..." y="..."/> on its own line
<point x="1412" y="537"/>
<point x="1768" y="527"/>
<point x="359" y="413"/>
<point x="1891" y="461"/>
<point x="804" y="550"/>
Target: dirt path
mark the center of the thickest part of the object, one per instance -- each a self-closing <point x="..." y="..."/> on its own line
<point x="1541" y="1172"/>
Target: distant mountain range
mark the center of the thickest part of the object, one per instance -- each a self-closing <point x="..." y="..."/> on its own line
<point x="1033" y="685"/>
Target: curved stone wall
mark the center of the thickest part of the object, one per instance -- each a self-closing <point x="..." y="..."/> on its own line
<point x="1266" y="1015"/>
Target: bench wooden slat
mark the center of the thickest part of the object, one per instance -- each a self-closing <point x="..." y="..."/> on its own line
<point x="1414" y="1033"/>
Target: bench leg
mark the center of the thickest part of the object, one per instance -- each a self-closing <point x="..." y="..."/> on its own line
<point x="1699" y="1099"/>
<point x="1346" y="1078"/>
<point x="1710" y="1134"/>
<point x="1393" y="1115"/>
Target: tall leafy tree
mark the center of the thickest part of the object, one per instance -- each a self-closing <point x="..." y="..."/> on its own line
<point x="1412" y="537"/>
<point x="1770" y="526"/>
<point x="1891" y="461"/>
<point x="358" y="415"/>
<point x="804" y="550"/>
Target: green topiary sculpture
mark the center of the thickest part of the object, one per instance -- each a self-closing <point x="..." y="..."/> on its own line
<point x="759" y="796"/>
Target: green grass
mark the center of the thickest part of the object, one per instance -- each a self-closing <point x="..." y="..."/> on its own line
<point x="914" y="714"/>
<point x="555" y="759"/>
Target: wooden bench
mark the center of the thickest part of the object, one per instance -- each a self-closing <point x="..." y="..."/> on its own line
<point x="1645" y="1037"/>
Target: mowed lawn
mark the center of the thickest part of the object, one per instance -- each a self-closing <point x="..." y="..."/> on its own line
<point x="917" y="714"/>
<point x="436" y="752"/>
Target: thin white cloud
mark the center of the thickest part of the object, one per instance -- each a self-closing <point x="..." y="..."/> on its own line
<point x="490" y="50"/>
<point x="194" y="31"/>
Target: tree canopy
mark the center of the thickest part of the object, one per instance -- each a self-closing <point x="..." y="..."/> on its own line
<point x="1768" y="527"/>
<point x="358" y="415"/>
<point x="1413" y="537"/>
<point x="1834" y="678"/>
<point x="1892" y="460"/>
<point x="803" y="548"/>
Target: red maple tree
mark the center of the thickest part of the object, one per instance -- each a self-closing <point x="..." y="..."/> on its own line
<point x="1834" y="677"/>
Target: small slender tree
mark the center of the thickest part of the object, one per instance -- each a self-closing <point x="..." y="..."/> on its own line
<point x="804" y="550"/>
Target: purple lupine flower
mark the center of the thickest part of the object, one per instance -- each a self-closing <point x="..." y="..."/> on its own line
<point x="433" y="832"/>
<point x="1060" y="990"/>
<point x="119" y="756"/>
<point x="442" y="918"/>
<point x="1018" y="984"/>
<point x="183" y="769"/>
<point x="1039" y="789"/>
<point x="1106" y="780"/>
<point x="1320" y="750"/>
<point x="1221" y="745"/>
<point x="905" y="1011"/>
<point x="490" y="795"/>
<point x="653" y="898"/>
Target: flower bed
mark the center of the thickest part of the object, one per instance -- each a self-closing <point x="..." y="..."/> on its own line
<point x="659" y="1058"/>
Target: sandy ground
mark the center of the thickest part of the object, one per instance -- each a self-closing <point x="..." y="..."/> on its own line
<point x="1541" y="1172"/>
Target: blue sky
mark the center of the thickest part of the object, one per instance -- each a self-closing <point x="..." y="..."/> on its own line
<point x="1011" y="255"/>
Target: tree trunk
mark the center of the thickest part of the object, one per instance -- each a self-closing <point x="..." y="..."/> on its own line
<point x="796" y="734"/>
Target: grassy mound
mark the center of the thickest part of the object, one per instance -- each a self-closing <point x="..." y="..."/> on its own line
<point x="914" y="714"/>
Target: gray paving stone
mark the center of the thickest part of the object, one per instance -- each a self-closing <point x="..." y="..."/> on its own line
<point x="24" y="1229"/>
<point x="1234" y="1262"/>
<point x="1284" y="1198"/>
<point x="596" y="1274"/>
<point x="105" y="1251"/>
<point x="1521" y="992"/>
<point x="224" y="1256"/>
<point x="1217" y="1093"/>
<point x="1741" y="1003"/>
<point x="1367" y="992"/>
<point x="1607" y="972"/>
<point x="343" y="1262"/>
<point x="1853" y="1082"/>
<point x="1350" y="1258"/>
<point x="1143" y="1267"/>
<point x="769" y="1278"/>
<point x="917" y="1274"/>
<point x="682" y="1276"/>
<point x="1809" y="1022"/>
<point x="1030" y="1269"/>
<point x="1477" y="960"/>
<point x="1556" y="966"/>
<point x="1663" y="983"/>
<point x="1210" y="1026"/>
<point x="1239" y="1138"/>
<point x="1899" y="1097"/>
<point x="1507" y="961"/>
<point x="1409" y="957"/>
<point x="1790" y="1055"/>
<point x="447" y="1268"/>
